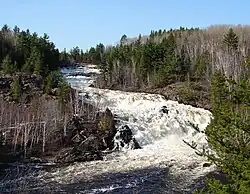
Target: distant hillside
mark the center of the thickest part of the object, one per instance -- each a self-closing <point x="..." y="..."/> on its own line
<point x="160" y="34"/>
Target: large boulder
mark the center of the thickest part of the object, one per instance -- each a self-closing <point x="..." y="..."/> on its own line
<point x="86" y="139"/>
<point x="31" y="82"/>
<point x="87" y="150"/>
<point x="124" y="139"/>
<point x="106" y="128"/>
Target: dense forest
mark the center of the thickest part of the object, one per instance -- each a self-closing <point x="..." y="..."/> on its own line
<point x="218" y="58"/>
<point x="169" y="56"/>
<point x="28" y="53"/>
<point x="29" y="109"/>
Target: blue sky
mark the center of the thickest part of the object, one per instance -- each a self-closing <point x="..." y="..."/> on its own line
<point x="85" y="23"/>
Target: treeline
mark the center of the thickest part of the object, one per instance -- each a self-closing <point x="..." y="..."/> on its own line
<point x="175" y="55"/>
<point x="75" y="55"/>
<point x="26" y="52"/>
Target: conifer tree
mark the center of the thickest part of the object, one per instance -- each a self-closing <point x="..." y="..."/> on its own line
<point x="14" y="67"/>
<point x="64" y="90"/>
<point x="29" y="65"/>
<point x="123" y="39"/>
<point x="231" y="40"/>
<point x="16" y="89"/>
<point x="49" y="83"/>
<point x="6" y="65"/>
<point x="203" y="64"/>
<point x="38" y="63"/>
<point x="229" y="134"/>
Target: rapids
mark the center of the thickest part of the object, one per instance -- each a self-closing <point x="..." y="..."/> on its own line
<point x="165" y="164"/>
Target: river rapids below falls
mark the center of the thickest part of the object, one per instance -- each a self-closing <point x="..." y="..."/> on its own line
<point x="165" y="164"/>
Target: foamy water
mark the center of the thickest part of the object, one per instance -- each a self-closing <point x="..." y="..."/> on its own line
<point x="165" y="164"/>
<point x="160" y="134"/>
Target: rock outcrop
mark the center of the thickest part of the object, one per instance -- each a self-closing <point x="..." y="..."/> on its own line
<point x="30" y="85"/>
<point x="85" y="140"/>
<point x="124" y="139"/>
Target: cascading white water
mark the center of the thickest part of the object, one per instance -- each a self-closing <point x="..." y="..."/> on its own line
<point x="159" y="125"/>
<point x="165" y="164"/>
<point x="150" y="116"/>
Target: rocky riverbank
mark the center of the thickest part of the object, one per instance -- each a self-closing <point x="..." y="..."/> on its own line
<point x="87" y="140"/>
<point x="72" y="137"/>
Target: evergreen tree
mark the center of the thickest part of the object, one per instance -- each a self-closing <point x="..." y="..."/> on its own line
<point x="37" y="63"/>
<point x="16" y="30"/>
<point x="6" y="65"/>
<point x="139" y="41"/>
<point x="123" y="39"/>
<point x="75" y="53"/>
<point x="14" y="67"/>
<point x="231" y="40"/>
<point x="64" y="90"/>
<point x="184" y="62"/>
<point x="203" y="64"/>
<point x="49" y="83"/>
<point x="229" y="134"/>
<point x="16" y="89"/>
<point x="34" y="62"/>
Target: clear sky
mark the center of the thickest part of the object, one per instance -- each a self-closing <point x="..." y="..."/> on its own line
<point x="85" y="23"/>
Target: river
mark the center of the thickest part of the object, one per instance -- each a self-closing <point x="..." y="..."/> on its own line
<point x="165" y="164"/>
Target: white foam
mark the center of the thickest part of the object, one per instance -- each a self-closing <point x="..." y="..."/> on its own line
<point x="160" y="134"/>
<point x="142" y="113"/>
<point x="80" y="81"/>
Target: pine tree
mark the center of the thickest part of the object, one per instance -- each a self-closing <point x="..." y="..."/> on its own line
<point x="123" y="39"/>
<point x="14" y="67"/>
<point x="184" y="62"/>
<point x="231" y="40"/>
<point x="139" y="40"/>
<point x="202" y="64"/>
<point x="16" y="89"/>
<point x="6" y="65"/>
<point x="229" y="134"/>
<point x="29" y="65"/>
<point x="64" y="90"/>
<point x="38" y="63"/>
<point x="49" y="83"/>
<point x="34" y="62"/>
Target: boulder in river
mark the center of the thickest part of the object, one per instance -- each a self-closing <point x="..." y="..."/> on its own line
<point x="164" y="109"/>
<point x="86" y="139"/>
<point x="124" y="138"/>
<point x="87" y="150"/>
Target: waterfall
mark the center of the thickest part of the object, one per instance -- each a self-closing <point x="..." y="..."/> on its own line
<point x="164" y="164"/>
<point x="158" y="125"/>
